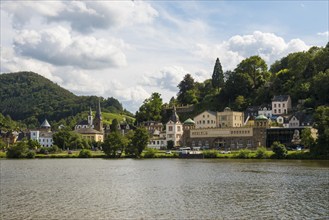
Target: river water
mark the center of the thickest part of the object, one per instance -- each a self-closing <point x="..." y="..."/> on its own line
<point x="163" y="189"/>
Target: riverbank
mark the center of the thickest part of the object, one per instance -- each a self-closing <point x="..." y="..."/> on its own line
<point x="213" y="154"/>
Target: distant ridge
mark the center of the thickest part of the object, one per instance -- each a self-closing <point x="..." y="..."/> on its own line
<point x="30" y="96"/>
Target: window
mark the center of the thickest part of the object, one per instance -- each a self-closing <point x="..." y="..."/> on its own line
<point x="170" y="128"/>
<point x="178" y="128"/>
<point x="283" y="105"/>
<point x="279" y="105"/>
<point x="279" y="111"/>
<point x="274" y="105"/>
<point x="274" y="111"/>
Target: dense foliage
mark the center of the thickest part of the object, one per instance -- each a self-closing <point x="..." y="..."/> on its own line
<point x="322" y="124"/>
<point x="279" y="150"/>
<point x="302" y="75"/>
<point x="30" y="97"/>
<point x="151" y="109"/>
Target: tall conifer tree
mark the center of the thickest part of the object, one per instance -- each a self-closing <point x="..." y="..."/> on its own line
<point x="218" y="75"/>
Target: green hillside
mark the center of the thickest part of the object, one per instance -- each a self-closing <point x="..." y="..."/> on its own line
<point x="29" y="97"/>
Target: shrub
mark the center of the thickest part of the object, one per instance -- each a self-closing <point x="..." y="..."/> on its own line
<point x="84" y="153"/>
<point x="244" y="153"/>
<point x="280" y="151"/>
<point x="210" y="153"/>
<point x="150" y="153"/>
<point x="261" y="153"/>
<point x="54" y="149"/>
<point x="30" y="154"/>
<point x="43" y="150"/>
<point x="18" y="150"/>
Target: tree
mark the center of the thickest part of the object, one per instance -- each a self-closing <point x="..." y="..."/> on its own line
<point x="170" y="144"/>
<point x="114" y="144"/>
<point x="280" y="151"/>
<point x="114" y="125"/>
<point x="320" y="87"/>
<point x="321" y="118"/>
<point x="140" y="140"/>
<point x="218" y="75"/>
<point x="255" y="69"/>
<point x="306" y="138"/>
<point x="150" y="109"/>
<point x="184" y="86"/>
<point x="18" y="150"/>
<point x="33" y="144"/>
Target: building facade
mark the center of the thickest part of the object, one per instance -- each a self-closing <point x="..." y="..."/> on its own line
<point x="174" y="129"/>
<point x="92" y="129"/>
<point x="206" y="119"/>
<point x="281" y="105"/>
<point x="43" y="135"/>
<point x="229" y="118"/>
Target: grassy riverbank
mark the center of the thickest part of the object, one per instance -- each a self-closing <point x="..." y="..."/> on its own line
<point x="215" y="154"/>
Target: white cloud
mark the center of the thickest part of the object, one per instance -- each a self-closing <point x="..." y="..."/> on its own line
<point x="59" y="47"/>
<point x="10" y="62"/>
<point x="129" y="96"/>
<point x="23" y="11"/>
<point x="167" y="78"/>
<point x="83" y="16"/>
<point x="325" y="34"/>
<point x="267" y="45"/>
<point x="80" y="82"/>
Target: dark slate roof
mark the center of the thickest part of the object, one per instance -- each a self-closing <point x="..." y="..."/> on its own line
<point x="280" y="98"/>
<point x="174" y="117"/>
<point x="83" y="122"/>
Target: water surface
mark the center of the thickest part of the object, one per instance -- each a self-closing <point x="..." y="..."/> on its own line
<point x="163" y="189"/>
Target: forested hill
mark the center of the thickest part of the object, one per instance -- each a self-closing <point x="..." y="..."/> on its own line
<point x="30" y="97"/>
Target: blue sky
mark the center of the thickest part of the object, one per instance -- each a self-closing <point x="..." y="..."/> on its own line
<point x="129" y="49"/>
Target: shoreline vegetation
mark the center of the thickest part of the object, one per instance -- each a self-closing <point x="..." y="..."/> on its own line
<point x="163" y="154"/>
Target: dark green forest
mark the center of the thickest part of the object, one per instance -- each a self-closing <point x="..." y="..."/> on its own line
<point x="302" y="75"/>
<point x="30" y="98"/>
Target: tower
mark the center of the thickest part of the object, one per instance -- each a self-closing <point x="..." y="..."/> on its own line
<point x="174" y="129"/>
<point x="90" y="118"/>
<point x="98" y="122"/>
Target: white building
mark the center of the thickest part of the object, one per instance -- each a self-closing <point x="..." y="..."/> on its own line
<point x="281" y="105"/>
<point x="158" y="140"/>
<point x="265" y="110"/>
<point x="174" y="129"/>
<point x="43" y="135"/>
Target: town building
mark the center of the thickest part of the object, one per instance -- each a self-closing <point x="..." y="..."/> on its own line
<point x="174" y="129"/>
<point x="206" y="119"/>
<point x="228" y="138"/>
<point x="92" y="128"/>
<point x="229" y="118"/>
<point x="281" y="105"/>
<point x="43" y="135"/>
<point x="265" y="110"/>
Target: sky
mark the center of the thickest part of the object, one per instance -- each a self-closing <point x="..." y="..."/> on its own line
<point x="130" y="49"/>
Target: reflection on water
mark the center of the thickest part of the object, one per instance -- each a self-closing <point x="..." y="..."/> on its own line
<point x="163" y="189"/>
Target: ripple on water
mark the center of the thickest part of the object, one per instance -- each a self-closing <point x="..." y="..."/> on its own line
<point x="163" y="189"/>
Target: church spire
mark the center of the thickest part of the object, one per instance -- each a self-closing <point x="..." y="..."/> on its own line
<point x="98" y="122"/>
<point x="90" y="118"/>
<point x="174" y="117"/>
<point x="98" y="111"/>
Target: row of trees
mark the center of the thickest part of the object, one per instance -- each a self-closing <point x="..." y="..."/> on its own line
<point x="115" y="144"/>
<point x="132" y="144"/>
